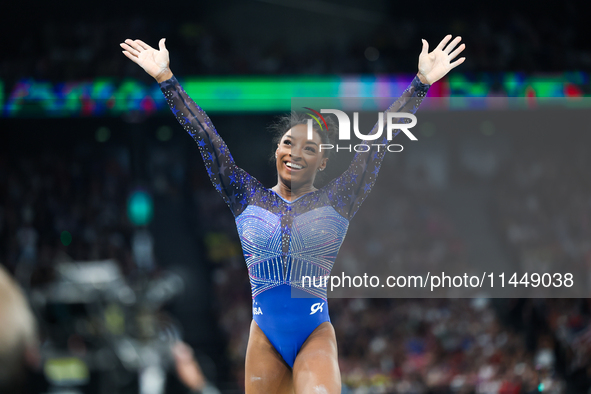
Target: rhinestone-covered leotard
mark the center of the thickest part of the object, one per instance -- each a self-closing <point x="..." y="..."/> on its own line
<point x="282" y="240"/>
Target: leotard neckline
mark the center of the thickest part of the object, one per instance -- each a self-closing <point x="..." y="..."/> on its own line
<point x="287" y="201"/>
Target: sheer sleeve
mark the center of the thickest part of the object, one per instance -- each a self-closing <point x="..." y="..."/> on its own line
<point x="234" y="184"/>
<point x="349" y="190"/>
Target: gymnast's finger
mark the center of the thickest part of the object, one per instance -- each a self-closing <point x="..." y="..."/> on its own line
<point x="143" y="44"/>
<point x="134" y="45"/>
<point x="457" y="62"/>
<point x="452" y="44"/>
<point x="457" y="51"/>
<point x="444" y="42"/>
<point x="162" y="45"/>
<point x="129" y="49"/>
<point x="129" y="55"/>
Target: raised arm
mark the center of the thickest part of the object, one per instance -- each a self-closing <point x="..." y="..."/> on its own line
<point x="349" y="190"/>
<point x="234" y="184"/>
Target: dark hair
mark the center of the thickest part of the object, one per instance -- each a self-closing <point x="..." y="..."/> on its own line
<point x="283" y="123"/>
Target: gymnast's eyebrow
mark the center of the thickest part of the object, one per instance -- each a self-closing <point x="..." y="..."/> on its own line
<point x="307" y="142"/>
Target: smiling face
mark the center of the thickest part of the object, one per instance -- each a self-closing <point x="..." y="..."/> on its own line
<point x="298" y="158"/>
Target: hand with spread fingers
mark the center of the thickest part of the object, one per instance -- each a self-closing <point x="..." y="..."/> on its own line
<point x="154" y="61"/>
<point x="436" y="64"/>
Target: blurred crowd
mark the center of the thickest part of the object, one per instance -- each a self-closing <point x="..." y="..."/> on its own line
<point x="65" y="203"/>
<point x="541" y="205"/>
<point x="62" y="48"/>
<point x="46" y="198"/>
<point x="543" y="209"/>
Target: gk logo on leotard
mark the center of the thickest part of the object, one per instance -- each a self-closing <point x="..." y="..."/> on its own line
<point x="316" y="307"/>
<point x="257" y="311"/>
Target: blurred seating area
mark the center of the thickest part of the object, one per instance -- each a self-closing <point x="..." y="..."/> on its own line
<point x="82" y="193"/>
<point x="541" y="204"/>
<point x="65" y="186"/>
<point x="262" y="38"/>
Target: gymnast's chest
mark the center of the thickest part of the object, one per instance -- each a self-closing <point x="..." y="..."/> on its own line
<point x="311" y="228"/>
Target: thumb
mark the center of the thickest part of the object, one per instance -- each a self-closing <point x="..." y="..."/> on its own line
<point x="161" y="44"/>
<point x="425" y="47"/>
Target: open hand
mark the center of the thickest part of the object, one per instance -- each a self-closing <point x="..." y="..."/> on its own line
<point x="154" y="62"/>
<point x="435" y="65"/>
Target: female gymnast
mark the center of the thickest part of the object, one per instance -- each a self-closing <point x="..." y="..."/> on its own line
<point x="293" y="229"/>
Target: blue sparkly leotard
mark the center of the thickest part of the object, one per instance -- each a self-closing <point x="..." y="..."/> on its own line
<point x="285" y="240"/>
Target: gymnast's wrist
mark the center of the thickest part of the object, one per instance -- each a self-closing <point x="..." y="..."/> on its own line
<point x="164" y="76"/>
<point x="423" y="79"/>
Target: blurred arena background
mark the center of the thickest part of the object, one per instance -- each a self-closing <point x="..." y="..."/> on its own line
<point x="130" y="260"/>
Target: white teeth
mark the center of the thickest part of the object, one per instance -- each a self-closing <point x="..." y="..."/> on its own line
<point x="293" y="165"/>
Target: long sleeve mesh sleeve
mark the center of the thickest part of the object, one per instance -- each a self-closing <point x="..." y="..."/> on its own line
<point x="234" y="184"/>
<point x="348" y="191"/>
